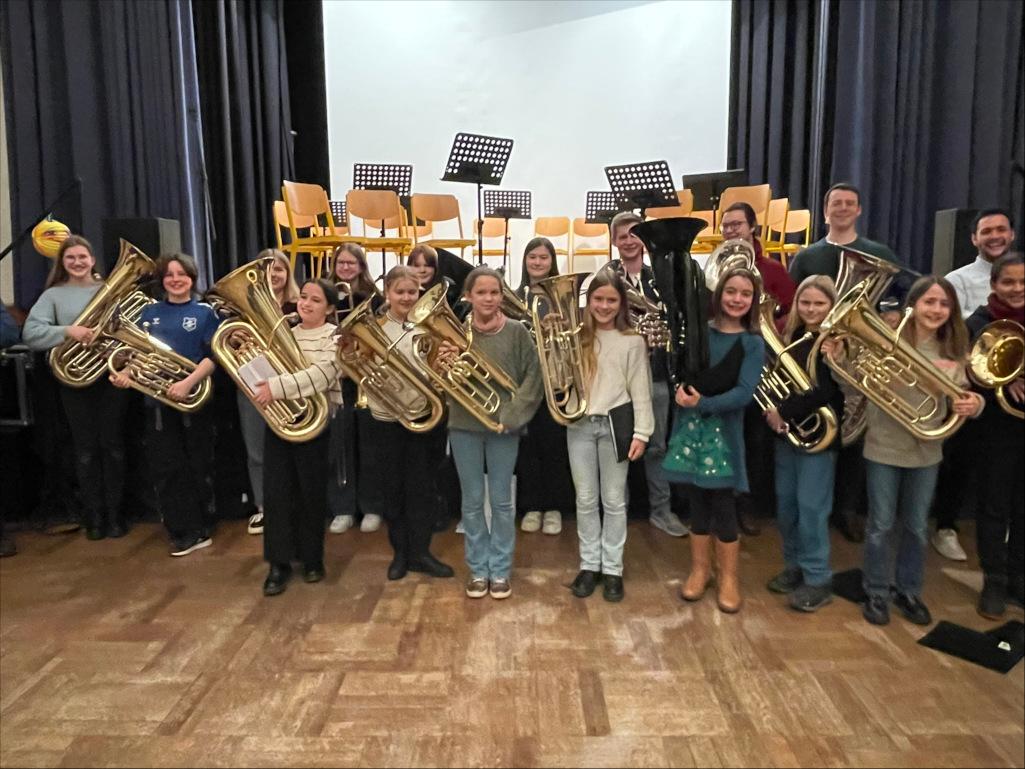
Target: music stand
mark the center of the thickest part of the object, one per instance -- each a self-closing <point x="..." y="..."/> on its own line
<point x="506" y="204"/>
<point x="642" y="185"/>
<point x="708" y="188"/>
<point x="338" y="212"/>
<point x="384" y="176"/>
<point x="480" y="160"/>
<point x="600" y="208"/>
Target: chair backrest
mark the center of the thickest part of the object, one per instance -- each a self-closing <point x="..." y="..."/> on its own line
<point x="306" y="200"/>
<point x="707" y="216"/>
<point x="434" y="208"/>
<point x="552" y="226"/>
<point x="799" y="221"/>
<point x="775" y="215"/>
<point x="493" y="227"/>
<point x="755" y="195"/>
<point x="585" y="229"/>
<point x="373" y="206"/>
<point x="299" y="221"/>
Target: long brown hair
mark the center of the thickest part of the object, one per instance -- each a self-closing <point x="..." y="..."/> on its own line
<point x="749" y="321"/>
<point x="59" y="273"/>
<point x="291" y="292"/>
<point x="363" y="286"/>
<point x="533" y="243"/>
<point x="952" y="335"/>
<point x="588" y="332"/>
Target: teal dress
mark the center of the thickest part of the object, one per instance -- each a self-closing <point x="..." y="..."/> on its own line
<point x="707" y="445"/>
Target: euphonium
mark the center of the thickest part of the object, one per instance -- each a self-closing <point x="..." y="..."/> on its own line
<point x="383" y="372"/>
<point x="782" y="377"/>
<point x="260" y="331"/>
<point x="472" y="379"/>
<point x="732" y="254"/>
<point x="80" y="365"/>
<point x="886" y="369"/>
<point x="557" y="336"/>
<point x="151" y="365"/>
<point x="997" y="358"/>
<point x="512" y="307"/>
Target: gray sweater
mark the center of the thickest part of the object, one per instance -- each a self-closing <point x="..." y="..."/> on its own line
<point x="57" y="308"/>
<point x="512" y="348"/>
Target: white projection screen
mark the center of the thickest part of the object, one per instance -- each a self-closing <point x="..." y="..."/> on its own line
<point x="577" y="85"/>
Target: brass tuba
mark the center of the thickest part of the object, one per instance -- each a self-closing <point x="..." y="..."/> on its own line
<point x="886" y="369"/>
<point x="80" y="365"/>
<point x="259" y="331"/>
<point x="782" y="377"/>
<point x="384" y="373"/>
<point x="557" y="336"/>
<point x="151" y="364"/>
<point x="997" y="358"/>
<point x="472" y="379"/>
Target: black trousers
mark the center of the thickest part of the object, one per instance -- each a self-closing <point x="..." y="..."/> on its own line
<point x="759" y="458"/>
<point x="1001" y="503"/>
<point x="397" y="473"/>
<point x="96" y="415"/>
<point x="713" y="511"/>
<point x="543" y="480"/>
<point x="182" y="453"/>
<point x="849" y="490"/>
<point x="294" y="499"/>
<point x="957" y="487"/>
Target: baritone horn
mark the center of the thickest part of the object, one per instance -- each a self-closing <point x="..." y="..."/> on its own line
<point x="382" y="372"/>
<point x="80" y="365"/>
<point x="997" y="358"/>
<point x="472" y="379"/>
<point x="258" y="334"/>
<point x="557" y="336"/>
<point x="888" y="370"/>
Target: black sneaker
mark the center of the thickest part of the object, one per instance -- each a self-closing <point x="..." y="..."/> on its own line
<point x="876" y="610"/>
<point x="787" y="581"/>
<point x="811" y="597"/>
<point x="612" y="588"/>
<point x="585" y="583"/>
<point x="993" y="599"/>
<point x="913" y="609"/>
<point x="188" y="545"/>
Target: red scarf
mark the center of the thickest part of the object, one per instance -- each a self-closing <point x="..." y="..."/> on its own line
<point x="1000" y="310"/>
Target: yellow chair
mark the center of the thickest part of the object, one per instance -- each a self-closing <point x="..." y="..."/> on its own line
<point x="429" y="208"/>
<point x="305" y="205"/>
<point x="493" y="228"/>
<point x="554" y="227"/>
<point x="375" y="207"/>
<point x="707" y="240"/>
<point x="584" y="229"/>
<point x="797" y="221"/>
<point x="775" y="221"/>
<point x="686" y="198"/>
<point x="756" y="195"/>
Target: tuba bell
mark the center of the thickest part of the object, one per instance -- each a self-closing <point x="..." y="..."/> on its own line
<point x="151" y="365"/>
<point x="732" y="254"/>
<point x="512" y="307"/>
<point x="472" y="379"/>
<point x="383" y="372"/>
<point x="997" y="358"/>
<point x="557" y="336"/>
<point x="80" y="365"/>
<point x="258" y="331"/>
<point x="886" y="369"/>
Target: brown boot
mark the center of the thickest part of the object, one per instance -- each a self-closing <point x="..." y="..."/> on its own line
<point x="726" y="556"/>
<point x="701" y="567"/>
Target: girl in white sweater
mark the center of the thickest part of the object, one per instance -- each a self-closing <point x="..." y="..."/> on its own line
<point x="616" y="369"/>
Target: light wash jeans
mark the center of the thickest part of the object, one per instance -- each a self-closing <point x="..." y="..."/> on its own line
<point x="804" y="500"/>
<point x="658" y="486"/>
<point x="489" y="553"/>
<point x="904" y="492"/>
<point x="595" y="469"/>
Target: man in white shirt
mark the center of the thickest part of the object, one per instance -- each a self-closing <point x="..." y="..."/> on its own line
<point x="992" y="234"/>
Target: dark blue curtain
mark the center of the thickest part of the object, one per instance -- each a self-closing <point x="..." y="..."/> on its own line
<point x="922" y="107"/>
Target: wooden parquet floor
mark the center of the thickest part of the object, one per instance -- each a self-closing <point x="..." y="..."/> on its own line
<point x="114" y="654"/>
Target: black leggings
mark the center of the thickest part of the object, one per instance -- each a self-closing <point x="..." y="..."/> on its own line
<point x="295" y="499"/>
<point x="713" y="511"/>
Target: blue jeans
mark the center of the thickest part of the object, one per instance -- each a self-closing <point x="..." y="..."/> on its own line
<point x="489" y="554"/>
<point x="804" y="500"/>
<point x="595" y="468"/>
<point x="893" y="491"/>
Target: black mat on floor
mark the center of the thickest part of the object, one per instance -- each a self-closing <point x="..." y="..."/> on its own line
<point x="999" y="649"/>
<point x="847" y="585"/>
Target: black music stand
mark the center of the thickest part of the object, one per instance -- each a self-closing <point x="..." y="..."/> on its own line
<point x="708" y="188"/>
<point x="642" y="185"/>
<point x="600" y="208"/>
<point x="480" y="160"/>
<point x="338" y="212"/>
<point x="506" y="204"/>
<point x="384" y="176"/>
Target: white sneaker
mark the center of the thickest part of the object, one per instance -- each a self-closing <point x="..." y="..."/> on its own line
<point x="670" y="524"/>
<point x="531" y="521"/>
<point x="255" y="523"/>
<point x="341" y="523"/>
<point x="371" y="522"/>
<point x="459" y="527"/>
<point x="946" y="544"/>
<point x="553" y="522"/>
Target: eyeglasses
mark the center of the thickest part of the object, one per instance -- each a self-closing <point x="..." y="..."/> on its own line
<point x="732" y="225"/>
